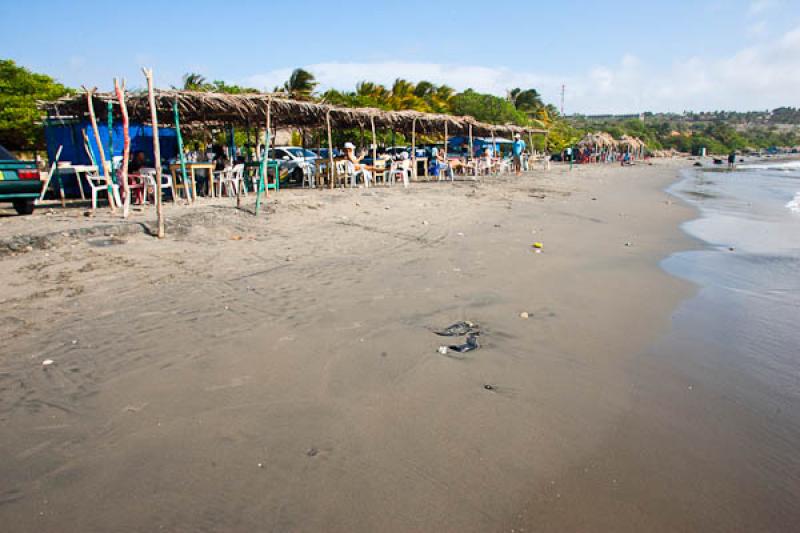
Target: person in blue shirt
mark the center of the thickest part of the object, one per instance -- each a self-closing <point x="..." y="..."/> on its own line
<point x="517" y="148"/>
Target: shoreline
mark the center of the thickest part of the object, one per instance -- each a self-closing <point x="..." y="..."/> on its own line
<point x="338" y="392"/>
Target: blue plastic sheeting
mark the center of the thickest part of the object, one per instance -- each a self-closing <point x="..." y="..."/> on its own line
<point x="70" y="136"/>
<point x="477" y="141"/>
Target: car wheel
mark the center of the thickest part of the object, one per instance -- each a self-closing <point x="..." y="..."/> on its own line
<point x="24" y="207"/>
<point x="297" y="176"/>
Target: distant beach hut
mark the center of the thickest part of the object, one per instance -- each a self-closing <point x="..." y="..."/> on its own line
<point x="597" y="147"/>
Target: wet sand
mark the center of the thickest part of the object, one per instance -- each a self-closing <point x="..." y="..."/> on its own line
<point x="281" y="374"/>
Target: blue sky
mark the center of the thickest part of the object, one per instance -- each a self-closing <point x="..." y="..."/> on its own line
<point x="613" y="56"/>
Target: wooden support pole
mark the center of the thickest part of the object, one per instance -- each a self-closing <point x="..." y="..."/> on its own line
<point x="263" y="182"/>
<point x="472" y="158"/>
<point x="126" y="145"/>
<point x="93" y="118"/>
<point x="331" y="167"/>
<point x="414" y="146"/>
<point x="148" y="73"/>
<point x="181" y="155"/>
<point x="530" y="148"/>
<point x="494" y="148"/>
<point x="445" y="152"/>
<point x="374" y="148"/>
<point x="54" y="172"/>
<point x="110" y="111"/>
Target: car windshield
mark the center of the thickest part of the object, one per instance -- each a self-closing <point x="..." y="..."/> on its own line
<point x="299" y="152"/>
<point x="5" y="155"/>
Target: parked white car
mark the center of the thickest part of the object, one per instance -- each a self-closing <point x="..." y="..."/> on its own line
<point x="295" y="160"/>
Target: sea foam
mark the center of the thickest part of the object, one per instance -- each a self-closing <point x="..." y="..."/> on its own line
<point x="794" y="205"/>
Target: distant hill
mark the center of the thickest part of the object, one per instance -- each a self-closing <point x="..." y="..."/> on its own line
<point x="716" y="131"/>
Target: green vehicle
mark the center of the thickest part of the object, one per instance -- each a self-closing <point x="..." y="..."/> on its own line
<point x="19" y="182"/>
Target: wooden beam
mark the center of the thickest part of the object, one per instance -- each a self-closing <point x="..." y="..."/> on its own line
<point x="101" y="152"/>
<point x="331" y="167"/>
<point x="374" y="148"/>
<point x="445" y="151"/>
<point x="414" y="146"/>
<point x="126" y="145"/>
<point x="148" y="73"/>
<point x="263" y="180"/>
<point x="181" y="156"/>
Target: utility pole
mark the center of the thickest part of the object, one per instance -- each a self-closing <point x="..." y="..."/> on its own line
<point x="563" y="90"/>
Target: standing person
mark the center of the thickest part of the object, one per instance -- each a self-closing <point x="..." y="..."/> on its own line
<point x="517" y="148"/>
<point x="732" y="160"/>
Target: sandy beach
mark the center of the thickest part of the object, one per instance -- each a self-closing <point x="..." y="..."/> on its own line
<point x="281" y="373"/>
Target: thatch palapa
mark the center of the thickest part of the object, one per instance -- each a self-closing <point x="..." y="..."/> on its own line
<point x="207" y="108"/>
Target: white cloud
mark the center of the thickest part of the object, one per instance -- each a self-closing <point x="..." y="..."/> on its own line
<point x="760" y="76"/>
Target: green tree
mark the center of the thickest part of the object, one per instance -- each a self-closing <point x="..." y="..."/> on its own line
<point x="300" y="85"/>
<point x="193" y="81"/>
<point x="528" y="101"/>
<point x="487" y="108"/>
<point x="19" y="90"/>
<point x="219" y="86"/>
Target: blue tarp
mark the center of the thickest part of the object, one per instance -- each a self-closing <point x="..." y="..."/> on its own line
<point x="479" y="144"/>
<point x="69" y="134"/>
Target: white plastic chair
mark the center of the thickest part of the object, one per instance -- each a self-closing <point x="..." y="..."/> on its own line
<point x="398" y="169"/>
<point x="308" y="176"/>
<point x="503" y="166"/>
<point x="98" y="183"/>
<point x="149" y="177"/>
<point x="231" y="179"/>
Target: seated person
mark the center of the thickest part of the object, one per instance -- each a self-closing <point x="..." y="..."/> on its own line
<point x="350" y="155"/>
<point x="137" y="162"/>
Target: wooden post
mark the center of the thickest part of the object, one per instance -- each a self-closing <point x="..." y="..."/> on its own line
<point x="148" y="73"/>
<point x="414" y="146"/>
<point x="181" y="155"/>
<point x="126" y="145"/>
<point x="530" y="148"/>
<point x="54" y="172"/>
<point x="374" y="148"/>
<point x="494" y="147"/>
<point x="110" y="110"/>
<point x="471" y="158"/>
<point x="331" y="166"/>
<point x="262" y="180"/>
<point x="93" y="118"/>
<point x="444" y="151"/>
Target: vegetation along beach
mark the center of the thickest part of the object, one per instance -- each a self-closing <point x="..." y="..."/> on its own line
<point x="343" y="270"/>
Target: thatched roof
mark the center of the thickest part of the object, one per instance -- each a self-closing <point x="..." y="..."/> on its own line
<point x="631" y="143"/>
<point x="215" y="108"/>
<point x="600" y="139"/>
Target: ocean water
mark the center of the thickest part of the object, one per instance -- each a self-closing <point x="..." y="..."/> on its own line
<point x="748" y="270"/>
<point x="735" y="349"/>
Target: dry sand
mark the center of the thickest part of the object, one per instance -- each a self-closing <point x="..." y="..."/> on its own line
<point x="281" y="374"/>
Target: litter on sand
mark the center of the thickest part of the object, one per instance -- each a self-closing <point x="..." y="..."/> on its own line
<point x="458" y="329"/>
<point x="47" y="362"/>
<point x="471" y="344"/>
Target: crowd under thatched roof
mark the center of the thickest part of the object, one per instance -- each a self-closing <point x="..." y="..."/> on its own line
<point x="208" y="108"/>
<point x="600" y="139"/>
<point x="631" y="143"/>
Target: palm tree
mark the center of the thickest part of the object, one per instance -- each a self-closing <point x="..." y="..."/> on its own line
<point x="193" y="81"/>
<point x="301" y="84"/>
<point x="529" y="100"/>
<point x="403" y="97"/>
